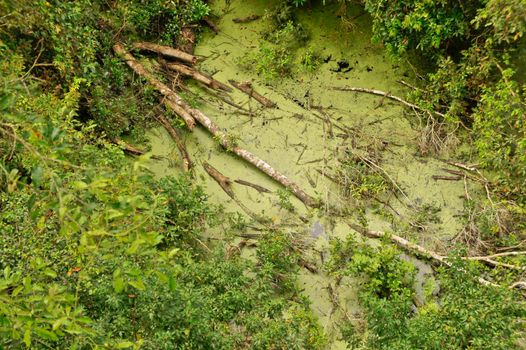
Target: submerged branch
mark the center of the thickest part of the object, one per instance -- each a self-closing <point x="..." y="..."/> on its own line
<point x="187" y="163"/>
<point x="387" y="95"/>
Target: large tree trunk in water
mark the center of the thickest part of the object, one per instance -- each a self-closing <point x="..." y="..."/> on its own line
<point x="166" y="51"/>
<point x="187" y="164"/>
<point x="253" y="159"/>
<point x="172" y="100"/>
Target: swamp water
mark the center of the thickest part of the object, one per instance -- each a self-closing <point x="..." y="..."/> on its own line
<point x="306" y="136"/>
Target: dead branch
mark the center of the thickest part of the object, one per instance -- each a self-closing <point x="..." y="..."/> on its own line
<point x="187" y="163"/>
<point x="405" y="83"/>
<point x="498" y="255"/>
<point x="246" y="19"/>
<point x="166" y="51"/>
<point x="195" y="74"/>
<point x="211" y="24"/>
<point x="489" y="260"/>
<point x="463" y="166"/>
<point x="308" y="266"/>
<point x="252" y="158"/>
<point x="494" y="263"/>
<point x="258" y="188"/>
<point x="446" y="178"/>
<point x="172" y="100"/>
<point x="221" y="179"/>
<point x="385" y="94"/>
<point x="225" y="182"/>
<point x="249" y="90"/>
<point x="519" y="284"/>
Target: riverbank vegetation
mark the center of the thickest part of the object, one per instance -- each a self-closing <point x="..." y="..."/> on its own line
<point x="97" y="252"/>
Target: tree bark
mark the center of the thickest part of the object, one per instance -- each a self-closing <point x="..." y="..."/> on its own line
<point x="166" y="51"/>
<point x="172" y="100"/>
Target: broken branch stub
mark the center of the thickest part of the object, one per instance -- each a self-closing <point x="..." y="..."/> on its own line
<point x="171" y="100"/>
<point x="166" y="51"/>
<point x="221" y="179"/>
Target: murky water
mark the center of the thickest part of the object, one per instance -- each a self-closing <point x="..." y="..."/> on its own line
<point x="297" y="139"/>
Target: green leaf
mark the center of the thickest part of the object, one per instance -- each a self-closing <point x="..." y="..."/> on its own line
<point x="139" y="284"/>
<point x="124" y="345"/>
<point x="50" y="273"/>
<point x="118" y="284"/>
<point x="79" y="185"/>
<point x="44" y="333"/>
<point x="36" y="175"/>
<point x="27" y="337"/>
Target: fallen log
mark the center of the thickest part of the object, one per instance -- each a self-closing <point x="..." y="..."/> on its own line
<point x="187" y="163"/>
<point x="258" y="188"/>
<point x="249" y="90"/>
<point x="386" y="95"/>
<point x="253" y="159"/>
<point x="171" y="100"/>
<point x="195" y="74"/>
<point x="166" y="51"/>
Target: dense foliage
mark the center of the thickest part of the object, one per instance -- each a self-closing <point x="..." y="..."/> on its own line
<point x="458" y="313"/>
<point x="477" y="79"/>
<point x="97" y="253"/>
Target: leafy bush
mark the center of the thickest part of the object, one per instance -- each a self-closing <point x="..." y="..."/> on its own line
<point x="465" y="315"/>
<point x="95" y="253"/>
